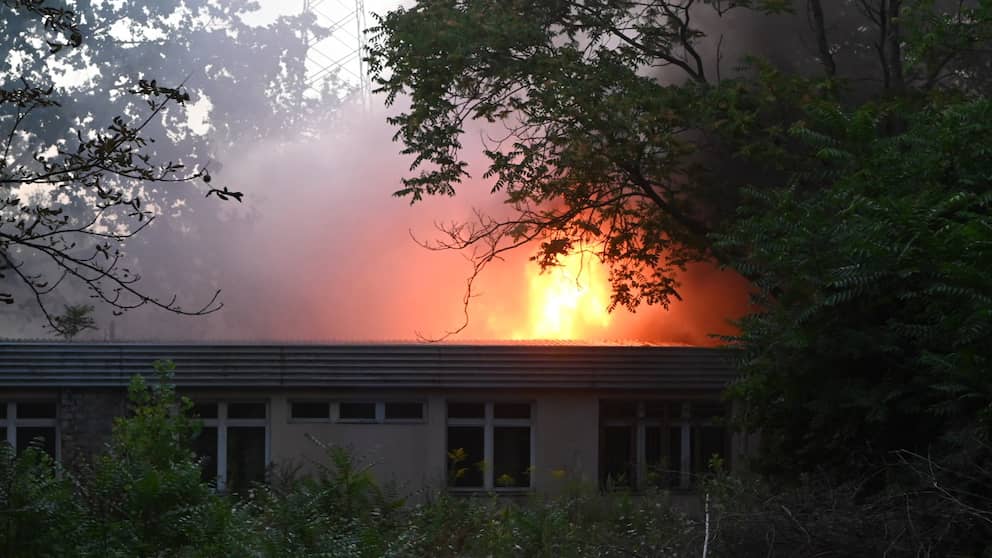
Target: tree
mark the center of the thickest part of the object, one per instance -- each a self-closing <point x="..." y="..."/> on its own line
<point x="75" y="320"/>
<point x="615" y="127"/>
<point x="72" y="218"/>
<point x="874" y="334"/>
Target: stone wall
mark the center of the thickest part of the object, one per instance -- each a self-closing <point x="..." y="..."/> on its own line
<point x="86" y="417"/>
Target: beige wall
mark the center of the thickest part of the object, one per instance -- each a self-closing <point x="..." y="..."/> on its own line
<point x="413" y="456"/>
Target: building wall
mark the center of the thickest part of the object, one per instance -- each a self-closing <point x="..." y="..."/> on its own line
<point x="410" y="456"/>
<point x="86" y="419"/>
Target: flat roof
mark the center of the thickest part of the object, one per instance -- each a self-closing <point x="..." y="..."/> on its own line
<point x="370" y="365"/>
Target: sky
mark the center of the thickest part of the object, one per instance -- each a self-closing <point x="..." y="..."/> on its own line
<point x="321" y="250"/>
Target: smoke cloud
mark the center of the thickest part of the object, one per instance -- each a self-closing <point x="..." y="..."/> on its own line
<point x="321" y="251"/>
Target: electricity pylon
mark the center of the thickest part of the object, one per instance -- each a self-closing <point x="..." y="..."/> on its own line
<point x="336" y="44"/>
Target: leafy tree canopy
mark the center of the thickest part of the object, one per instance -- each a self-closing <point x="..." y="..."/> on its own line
<point x="107" y="111"/>
<point x="837" y="157"/>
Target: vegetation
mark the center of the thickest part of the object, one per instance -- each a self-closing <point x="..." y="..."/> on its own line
<point x="145" y="497"/>
<point x="114" y="115"/>
<point x="845" y="173"/>
<point x="75" y="320"/>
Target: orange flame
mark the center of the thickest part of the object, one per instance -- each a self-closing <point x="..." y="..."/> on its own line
<point x="568" y="302"/>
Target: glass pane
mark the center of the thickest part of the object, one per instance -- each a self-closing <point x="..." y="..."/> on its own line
<point x="356" y="411"/>
<point x="40" y="437"/>
<point x="466" y="410"/>
<point x="407" y="411"/>
<point x="617" y="456"/>
<point x="712" y="443"/>
<point x="613" y="409"/>
<point x="511" y="456"/>
<point x="245" y="457"/>
<point x="205" y="410"/>
<point x="3" y="410"/>
<point x="512" y="410"/>
<point x="246" y="410"/>
<point x="3" y="435"/>
<point x="36" y="410"/>
<point x="466" y="459"/>
<point x="311" y="410"/>
<point x="205" y="449"/>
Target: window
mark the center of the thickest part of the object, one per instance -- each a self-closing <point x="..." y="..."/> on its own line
<point x="355" y="411"/>
<point x="659" y="443"/>
<point x="30" y="424"/>
<point x="489" y="445"/>
<point x="403" y="411"/>
<point x="310" y="410"/>
<point x="358" y="411"/>
<point x="234" y="443"/>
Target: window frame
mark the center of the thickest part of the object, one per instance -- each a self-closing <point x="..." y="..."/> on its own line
<point x="11" y="422"/>
<point x="683" y="419"/>
<point x="222" y="423"/>
<point x="489" y="423"/>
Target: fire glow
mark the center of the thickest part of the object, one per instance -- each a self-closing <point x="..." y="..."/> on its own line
<point x="568" y="301"/>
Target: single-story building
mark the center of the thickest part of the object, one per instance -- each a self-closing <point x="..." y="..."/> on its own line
<point x="502" y="418"/>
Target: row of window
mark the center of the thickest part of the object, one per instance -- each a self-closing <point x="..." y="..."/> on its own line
<point x="490" y="445"/>
<point x="357" y="411"/>
<point x="664" y="444"/>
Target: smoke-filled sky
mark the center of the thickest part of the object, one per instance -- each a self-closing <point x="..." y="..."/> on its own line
<point x="325" y="253"/>
<point x="321" y="251"/>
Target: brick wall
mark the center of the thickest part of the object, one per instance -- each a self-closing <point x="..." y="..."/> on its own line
<point x="86" y="417"/>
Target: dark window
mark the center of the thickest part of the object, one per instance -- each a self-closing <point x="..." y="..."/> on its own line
<point x="246" y="410"/>
<point x="466" y="461"/>
<point x="36" y="410"/>
<point x="311" y="410"/>
<point x="3" y="434"/>
<point x="617" y="457"/>
<point x="205" y="448"/>
<point x="511" y="410"/>
<point x="356" y="411"/>
<point x="39" y="437"/>
<point x="245" y="457"/>
<point x="404" y="411"/>
<point x="511" y="456"/>
<point x="466" y="410"/>
<point x="205" y="410"/>
<point x="618" y="410"/>
<point x="3" y="410"/>
<point x="712" y="443"/>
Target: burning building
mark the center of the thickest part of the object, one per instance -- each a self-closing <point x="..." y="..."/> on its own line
<point x="468" y="418"/>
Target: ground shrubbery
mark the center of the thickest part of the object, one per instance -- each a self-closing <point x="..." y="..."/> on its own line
<point x="145" y="497"/>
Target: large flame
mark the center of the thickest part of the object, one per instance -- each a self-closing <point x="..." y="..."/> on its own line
<point x="569" y="301"/>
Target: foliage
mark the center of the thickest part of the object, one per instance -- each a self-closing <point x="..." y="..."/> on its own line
<point x="40" y="514"/>
<point x="76" y="319"/>
<point x="145" y="497"/>
<point x="851" y="187"/>
<point x="146" y="491"/>
<point x="99" y="110"/>
<point x="874" y="333"/>
<point x="612" y="126"/>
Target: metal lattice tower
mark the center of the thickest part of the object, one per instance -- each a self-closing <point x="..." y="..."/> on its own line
<point x="343" y="46"/>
